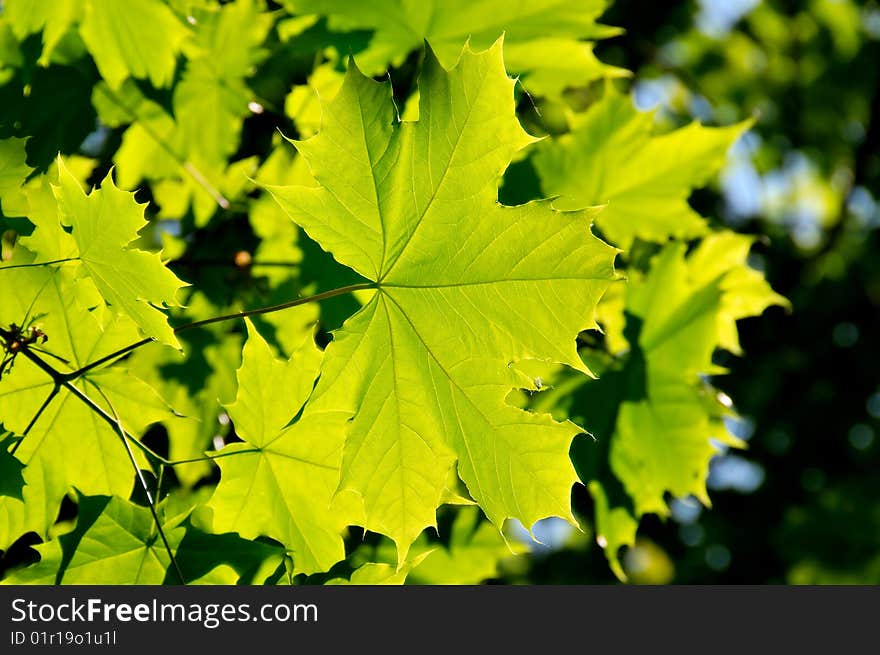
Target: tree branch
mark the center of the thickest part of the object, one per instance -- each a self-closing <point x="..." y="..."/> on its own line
<point x="116" y="423"/>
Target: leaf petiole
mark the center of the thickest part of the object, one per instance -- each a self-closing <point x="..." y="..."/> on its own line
<point x="36" y="264"/>
<point x="218" y="319"/>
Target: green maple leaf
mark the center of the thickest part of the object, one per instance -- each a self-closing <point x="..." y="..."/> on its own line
<point x="615" y="527"/>
<point x="656" y="418"/>
<point x="378" y="573"/>
<point x="543" y="43"/>
<point x="745" y="291"/>
<point x="549" y="65"/>
<point x="13" y="172"/>
<point x="464" y="287"/>
<point x="106" y="28"/>
<point x="114" y="542"/>
<point x="207" y="557"/>
<point x="143" y="153"/>
<point x="210" y="112"/>
<point x="303" y="103"/>
<point x="120" y="545"/>
<point x="69" y="445"/>
<point x="282" y="480"/>
<point x="48" y="241"/>
<point x="211" y="98"/>
<point x="103" y="225"/>
<point x="171" y="151"/>
<point x="53" y="19"/>
<point x="611" y="157"/>
<point x="373" y="573"/>
<point x="279" y="237"/>
<point x="470" y="554"/>
<point x="177" y="195"/>
<point x="662" y="442"/>
<point x="532" y="30"/>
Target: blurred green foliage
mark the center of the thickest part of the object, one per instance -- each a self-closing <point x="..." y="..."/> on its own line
<point x="802" y="503"/>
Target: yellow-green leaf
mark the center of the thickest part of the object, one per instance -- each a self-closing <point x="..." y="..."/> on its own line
<point x="611" y="158"/>
<point x="282" y="480"/>
<point x="135" y="38"/>
<point x="104" y="223"/>
<point x="464" y="287"/>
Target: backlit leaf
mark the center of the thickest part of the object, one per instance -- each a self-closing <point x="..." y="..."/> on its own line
<point x="464" y="287"/>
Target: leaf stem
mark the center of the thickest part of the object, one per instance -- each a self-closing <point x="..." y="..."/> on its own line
<point x="156" y="457"/>
<point x="64" y="380"/>
<point x="36" y="417"/>
<point x="218" y="319"/>
<point x="116" y="424"/>
<point x="54" y="261"/>
<point x="159" y="478"/>
<point x="209" y="458"/>
<point x="103" y="360"/>
<point x="276" y="308"/>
